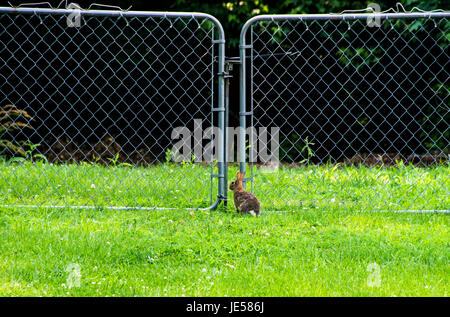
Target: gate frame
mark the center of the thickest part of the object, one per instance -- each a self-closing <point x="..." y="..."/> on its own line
<point x="243" y="112"/>
<point x="221" y="108"/>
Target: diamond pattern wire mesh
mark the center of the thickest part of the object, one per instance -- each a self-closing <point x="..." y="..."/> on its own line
<point x="102" y="101"/>
<point x="372" y="97"/>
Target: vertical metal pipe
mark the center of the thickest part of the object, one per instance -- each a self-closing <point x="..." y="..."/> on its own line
<point x="252" y="143"/>
<point x="242" y="99"/>
<point x="211" y="117"/>
<point x="221" y="100"/>
<point x="225" y="148"/>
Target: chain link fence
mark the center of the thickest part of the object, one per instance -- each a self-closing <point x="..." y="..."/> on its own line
<point x="89" y="102"/>
<point x="95" y="105"/>
<point x="361" y="107"/>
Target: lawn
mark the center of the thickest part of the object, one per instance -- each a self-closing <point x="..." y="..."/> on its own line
<point x="324" y="187"/>
<point x="333" y="242"/>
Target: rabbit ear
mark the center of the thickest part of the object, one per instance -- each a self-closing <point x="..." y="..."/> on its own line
<point x="240" y="176"/>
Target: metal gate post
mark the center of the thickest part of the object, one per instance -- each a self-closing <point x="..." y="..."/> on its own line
<point x="225" y="148"/>
<point x="229" y="67"/>
<point x="242" y="100"/>
<point x="222" y="109"/>
<point x="243" y="113"/>
<point x="221" y="195"/>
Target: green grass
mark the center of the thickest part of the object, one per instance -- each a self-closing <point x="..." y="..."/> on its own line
<point x="189" y="185"/>
<point x="323" y="245"/>
<point x="165" y="185"/>
<point x="217" y="253"/>
<point x="349" y="187"/>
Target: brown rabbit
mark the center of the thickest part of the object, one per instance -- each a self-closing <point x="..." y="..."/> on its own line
<point x="245" y="202"/>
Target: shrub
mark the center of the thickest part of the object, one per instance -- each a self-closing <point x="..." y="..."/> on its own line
<point x="13" y="123"/>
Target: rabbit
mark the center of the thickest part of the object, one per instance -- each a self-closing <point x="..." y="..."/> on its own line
<point x="245" y="202"/>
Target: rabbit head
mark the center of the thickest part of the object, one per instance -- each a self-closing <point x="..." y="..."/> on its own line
<point x="237" y="184"/>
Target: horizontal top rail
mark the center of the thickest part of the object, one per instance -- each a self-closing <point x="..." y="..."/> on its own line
<point x="106" y="12"/>
<point x="339" y="16"/>
<point x="119" y="13"/>
<point x="345" y="16"/>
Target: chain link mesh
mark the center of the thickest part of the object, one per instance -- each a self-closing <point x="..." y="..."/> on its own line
<point x="346" y="94"/>
<point x="92" y="108"/>
<point x="87" y="112"/>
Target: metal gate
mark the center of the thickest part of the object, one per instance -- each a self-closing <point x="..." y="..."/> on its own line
<point x="127" y="109"/>
<point x="97" y="107"/>
<point x="361" y="102"/>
